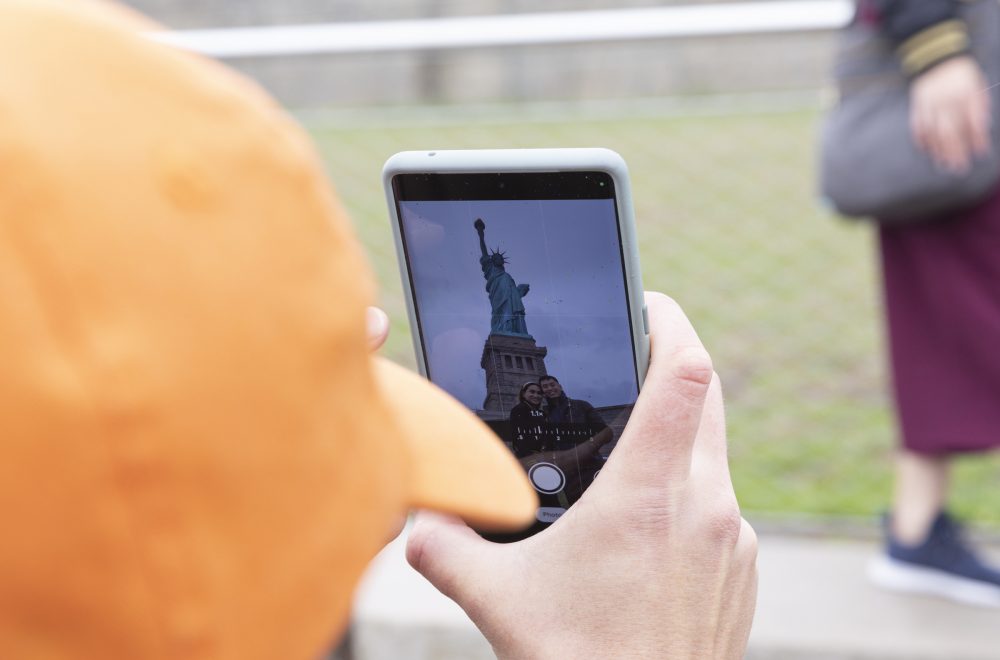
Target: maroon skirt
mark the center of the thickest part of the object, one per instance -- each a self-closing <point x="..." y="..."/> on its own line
<point x="942" y="295"/>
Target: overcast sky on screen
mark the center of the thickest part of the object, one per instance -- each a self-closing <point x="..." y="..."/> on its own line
<point x="566" y="250"/>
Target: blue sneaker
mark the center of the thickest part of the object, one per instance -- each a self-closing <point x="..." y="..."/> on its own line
<point x="943" y="565"/>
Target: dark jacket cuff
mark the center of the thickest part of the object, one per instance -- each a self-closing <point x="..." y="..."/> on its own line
<point x="933" y="45"/>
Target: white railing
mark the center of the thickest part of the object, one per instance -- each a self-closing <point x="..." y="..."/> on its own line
<point x="515" y="29"/>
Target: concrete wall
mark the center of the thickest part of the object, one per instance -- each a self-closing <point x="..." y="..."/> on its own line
<point x="577" y="71"/>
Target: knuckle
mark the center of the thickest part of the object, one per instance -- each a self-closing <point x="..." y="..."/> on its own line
<point x="692" y="364"/>
<point x="723" y="526"/>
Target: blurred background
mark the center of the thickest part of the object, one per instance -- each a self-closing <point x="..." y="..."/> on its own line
<point x="719" y="131"/>
<point x="718" y="122"/>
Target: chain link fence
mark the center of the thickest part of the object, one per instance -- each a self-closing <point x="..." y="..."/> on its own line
<point x="785" y="296"/>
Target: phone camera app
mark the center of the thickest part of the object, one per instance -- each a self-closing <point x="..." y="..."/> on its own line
<point x="524" y="313"/>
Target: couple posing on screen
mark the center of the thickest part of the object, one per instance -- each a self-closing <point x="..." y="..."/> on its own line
<point x="549" y="426"/>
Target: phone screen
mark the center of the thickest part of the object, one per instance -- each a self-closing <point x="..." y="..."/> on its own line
<point x="522" y="310"/>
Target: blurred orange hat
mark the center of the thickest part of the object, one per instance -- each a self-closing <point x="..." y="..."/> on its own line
<point x="198" y="456"/>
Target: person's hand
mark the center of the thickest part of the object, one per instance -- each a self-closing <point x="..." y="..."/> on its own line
<point x="950" y="113"/>
<point x="377" y="324"/>
<point x="654" y="561"/>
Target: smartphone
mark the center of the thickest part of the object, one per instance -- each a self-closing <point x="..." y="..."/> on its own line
<point x="521" y="274"/>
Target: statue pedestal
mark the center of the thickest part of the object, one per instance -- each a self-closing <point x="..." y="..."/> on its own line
<point x="509" y="362"/>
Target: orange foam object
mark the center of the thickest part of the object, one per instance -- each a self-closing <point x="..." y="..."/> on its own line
<point x="199" y="457"/>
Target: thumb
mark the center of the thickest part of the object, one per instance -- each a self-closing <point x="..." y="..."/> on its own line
<point x="450" y="555"/>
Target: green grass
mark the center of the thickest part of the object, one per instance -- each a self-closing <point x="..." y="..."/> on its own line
<point x="785" y="296"/>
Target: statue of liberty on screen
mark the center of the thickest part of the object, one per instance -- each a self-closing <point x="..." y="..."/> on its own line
<point x="505" y="295"/>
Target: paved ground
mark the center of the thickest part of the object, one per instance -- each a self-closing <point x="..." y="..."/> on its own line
<point x="814" y="603"/>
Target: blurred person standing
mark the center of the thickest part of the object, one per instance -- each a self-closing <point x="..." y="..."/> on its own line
<point x="942" y="298"/>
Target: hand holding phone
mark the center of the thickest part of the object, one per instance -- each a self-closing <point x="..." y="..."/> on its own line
<point x="654" y="561"/>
